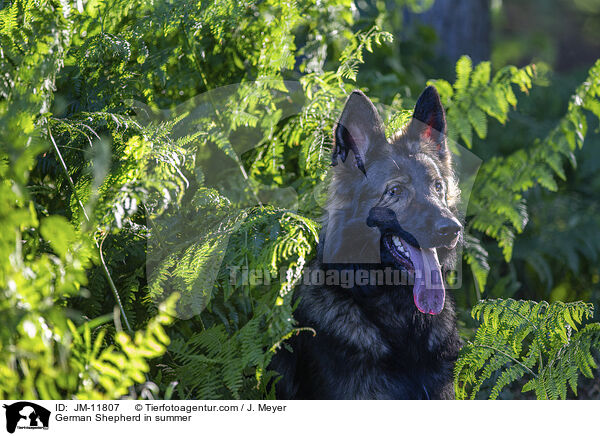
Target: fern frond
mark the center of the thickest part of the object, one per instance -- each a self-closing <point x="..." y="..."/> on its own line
<point x="529" y="342"/>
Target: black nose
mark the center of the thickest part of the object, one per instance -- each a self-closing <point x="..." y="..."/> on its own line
<point x="447" y="229"/>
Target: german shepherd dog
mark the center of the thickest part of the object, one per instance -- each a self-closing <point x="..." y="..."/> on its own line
<point x="381" y="340"/>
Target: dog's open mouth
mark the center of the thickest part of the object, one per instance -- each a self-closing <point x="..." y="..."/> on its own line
<point x="428" y="289"/>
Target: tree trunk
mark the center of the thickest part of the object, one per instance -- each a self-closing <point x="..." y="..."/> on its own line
<point x="462" y="26"/>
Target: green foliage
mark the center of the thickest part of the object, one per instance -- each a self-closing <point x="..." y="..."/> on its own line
<point x="228" y="357"/>
<point x="105" y="372"/>
<point x="541" y="345"/>
<point x="475" y="94"/>
<point x="104" y="213"/>
<point x="240" y="323"/>
<point x="497" y="206"/>
<point x="510" y="176"/>
<point x="83" y="180"/>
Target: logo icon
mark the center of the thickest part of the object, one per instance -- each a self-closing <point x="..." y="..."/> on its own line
<point x="26" y="415"/>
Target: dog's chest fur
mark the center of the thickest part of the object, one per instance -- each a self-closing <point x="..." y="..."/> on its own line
<point x="368" y="346"/>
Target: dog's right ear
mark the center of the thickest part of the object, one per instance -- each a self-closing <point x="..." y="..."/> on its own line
<point x="359" y="128"/>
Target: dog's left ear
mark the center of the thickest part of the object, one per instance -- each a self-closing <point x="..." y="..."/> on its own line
<point x="428" y="126"/>
<point x="359" y="130"/>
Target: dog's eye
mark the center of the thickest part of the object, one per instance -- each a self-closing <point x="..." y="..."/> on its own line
<point x="395" y="190"/>
<point x="439" y="186"/>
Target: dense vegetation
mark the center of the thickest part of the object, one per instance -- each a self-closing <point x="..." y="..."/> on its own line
<point x="131" y="174"/>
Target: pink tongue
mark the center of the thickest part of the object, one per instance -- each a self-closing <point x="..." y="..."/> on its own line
<point x="428" y="292"/>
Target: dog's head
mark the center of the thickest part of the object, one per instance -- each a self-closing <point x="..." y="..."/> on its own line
<point x="400" y="192"/>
